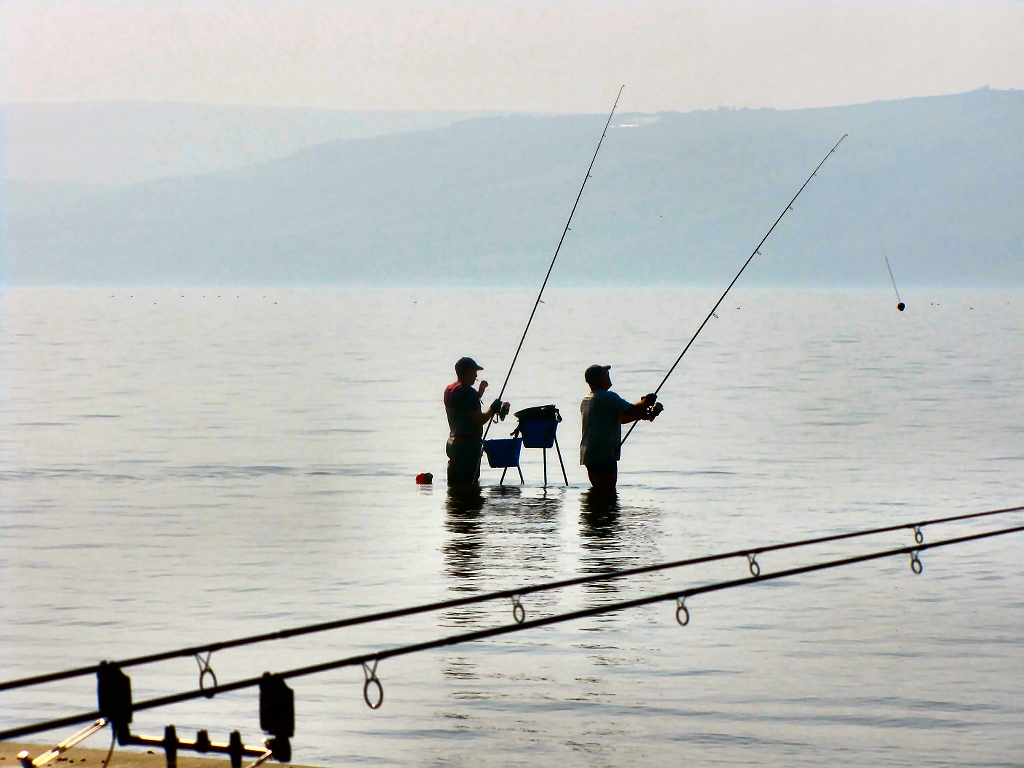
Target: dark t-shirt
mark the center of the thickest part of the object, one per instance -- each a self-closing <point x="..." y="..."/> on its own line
<point x="460" y="401"/>
<point x="602" y="427"/>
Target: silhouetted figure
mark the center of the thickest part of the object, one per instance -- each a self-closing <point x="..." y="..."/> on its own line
<point x="466" y="419"/>
<point x="604" y="413"/>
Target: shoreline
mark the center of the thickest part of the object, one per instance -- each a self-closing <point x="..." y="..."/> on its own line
<point x="123" y="757"/>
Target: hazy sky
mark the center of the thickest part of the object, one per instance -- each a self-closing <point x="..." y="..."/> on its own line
<point x="552" y="55"/>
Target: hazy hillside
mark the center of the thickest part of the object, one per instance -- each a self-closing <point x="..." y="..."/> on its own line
<point x="678" y="198"/>
<point x="124" y="142"/>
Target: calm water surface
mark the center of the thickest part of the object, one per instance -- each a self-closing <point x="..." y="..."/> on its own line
<point x="181" y="467"/>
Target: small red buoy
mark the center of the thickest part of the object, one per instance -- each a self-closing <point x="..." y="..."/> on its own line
<point x="901" y="306"/>
<point x="424" y="478"/>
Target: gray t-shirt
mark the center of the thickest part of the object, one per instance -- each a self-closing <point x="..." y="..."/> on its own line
<point x="602" y="429"/>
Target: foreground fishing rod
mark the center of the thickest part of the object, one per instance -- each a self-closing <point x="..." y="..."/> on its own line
<point x="750" y="258"/>
<point x="203" y="653"/>
<point x="116" y="705"/>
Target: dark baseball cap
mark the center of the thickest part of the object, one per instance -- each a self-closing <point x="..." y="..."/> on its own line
<point x="594" y="371"/>
<point x="467" y="364"/>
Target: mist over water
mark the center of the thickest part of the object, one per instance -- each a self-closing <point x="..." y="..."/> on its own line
<point x="178" y="467"/>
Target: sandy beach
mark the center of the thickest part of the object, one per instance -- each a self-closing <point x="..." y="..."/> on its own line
<point x="122" y="757"/>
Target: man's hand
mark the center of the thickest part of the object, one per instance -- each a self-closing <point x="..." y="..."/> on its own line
<point x="482" y="389"/>
<point x="495" y="406"/>
<point x="652" y="414"/>
<point x="640" y="410"/>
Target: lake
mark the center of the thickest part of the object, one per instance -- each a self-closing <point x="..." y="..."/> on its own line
<point x="184" y="466"/>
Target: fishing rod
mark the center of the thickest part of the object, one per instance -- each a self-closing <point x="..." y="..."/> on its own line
<point x="547" y="275"/>
<point x="558" y="248"/>
<point x="515" y="594"/>
<point x="750" y="258"/>
<point x="881" y="244"/>
<point x="899" y="302"/>
<point x="370" y="660"/>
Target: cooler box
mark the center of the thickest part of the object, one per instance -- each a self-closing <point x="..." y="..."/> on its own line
<point x="503" y="453"/>
<point x="537" y="425"/>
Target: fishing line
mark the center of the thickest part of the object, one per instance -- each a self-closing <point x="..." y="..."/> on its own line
<point x="750" y="258"/>
<point x="881" y="244"/>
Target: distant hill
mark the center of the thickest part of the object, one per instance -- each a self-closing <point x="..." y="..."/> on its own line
<point x="676" y="198"/>
<point x="121" y="142"/>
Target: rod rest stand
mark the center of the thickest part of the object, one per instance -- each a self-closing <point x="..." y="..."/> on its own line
<point x="114" y="694"/>
<point x="171" y="745"/>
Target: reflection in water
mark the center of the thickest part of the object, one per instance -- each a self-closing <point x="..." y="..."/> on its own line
<point x="505" y="491"/>
<point x="613" y="536"/>
<point x="600" y="512"/>
<point x="497" y="539"/>
<point x="601" y="533"/>
<point x="464" y="499"/>
<point x="462" y="552"/>
<point x="463" y="566"/>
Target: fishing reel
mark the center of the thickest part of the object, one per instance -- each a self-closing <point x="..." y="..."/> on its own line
<point x="655" y="410"/>
<point x="500" y="409"/>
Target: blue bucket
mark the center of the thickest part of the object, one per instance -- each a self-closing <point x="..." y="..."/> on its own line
<point x="537" y="425"/>
<point x="538" y="434"/>
<point x="503" y="453"/>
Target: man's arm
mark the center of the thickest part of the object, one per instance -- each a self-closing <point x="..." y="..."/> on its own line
<point x="640" y="410"/>
<point x="482" y="417"/>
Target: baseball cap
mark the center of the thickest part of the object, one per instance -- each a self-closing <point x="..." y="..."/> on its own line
<point x="594" y="371"/>
<point x="467" y="364"/>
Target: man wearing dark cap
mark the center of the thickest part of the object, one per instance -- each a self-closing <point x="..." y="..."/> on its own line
<point x="604" y="413"/>
<point x="466" y="419"/>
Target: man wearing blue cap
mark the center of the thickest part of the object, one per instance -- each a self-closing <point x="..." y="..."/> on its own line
<point x="604" y="413"/>
<point x="466" y="419"/>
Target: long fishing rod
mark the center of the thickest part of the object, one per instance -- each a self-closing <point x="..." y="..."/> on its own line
<point x="881" y="244"/>
<point x="899" y="302"/>
<point x="560" y="241"/>
<point x="750" y="258"/>
<point x="370" y="660"/>
<point x="547" y="275"/>
<point x="514" y="593"/>
<point x="558" y="248"/>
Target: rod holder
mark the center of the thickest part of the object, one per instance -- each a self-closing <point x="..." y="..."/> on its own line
<point x="277" y="715"/>
<point x="114" y="697"/>
<point x="171" y="745"/>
